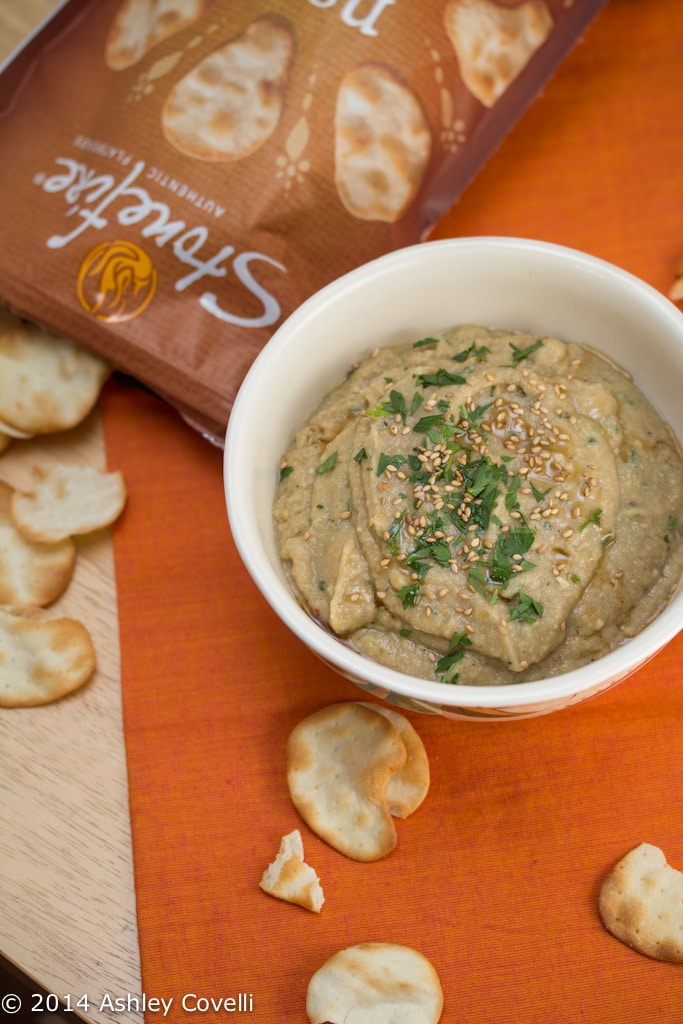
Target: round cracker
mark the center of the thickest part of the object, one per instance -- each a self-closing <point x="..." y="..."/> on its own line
<point x="41" y="659"/>
<point x="382" y="143"/>
<point x="66" y="501"/>
<point x="228" y="105"/>
<point x="641" y="904"/>
<point x="30" y="574"/>
<point x="48" y="383"/>
<point x="338" y="762"/>
<point x="407" y="788"/>
<point x="375" y="983"/>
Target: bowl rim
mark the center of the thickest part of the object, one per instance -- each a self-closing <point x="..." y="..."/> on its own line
<point x="589" y="678"/>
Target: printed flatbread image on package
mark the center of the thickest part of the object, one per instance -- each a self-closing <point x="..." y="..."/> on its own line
<point x="229" y="105"/>
<point x="139" y="25"/>
<point x="180" y="175"/>
<point x="493" y="43"/>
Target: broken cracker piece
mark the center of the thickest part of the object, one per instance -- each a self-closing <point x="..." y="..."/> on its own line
<point x="641" y="904"/>
<point x="290" y="878"/>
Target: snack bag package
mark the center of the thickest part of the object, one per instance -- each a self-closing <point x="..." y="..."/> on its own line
<point x="179" y="175"/>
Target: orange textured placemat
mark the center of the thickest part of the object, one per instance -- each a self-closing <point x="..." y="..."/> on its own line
<point x="495" y="877"/>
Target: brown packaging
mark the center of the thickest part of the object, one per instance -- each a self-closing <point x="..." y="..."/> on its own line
<point x="178" y="176"/>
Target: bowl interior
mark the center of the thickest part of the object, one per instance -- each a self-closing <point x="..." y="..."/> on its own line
<point x="497" y="282"/>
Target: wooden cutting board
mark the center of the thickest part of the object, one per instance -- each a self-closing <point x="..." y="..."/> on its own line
<point x="67" y="897"/>
<point x="67" y="901"/>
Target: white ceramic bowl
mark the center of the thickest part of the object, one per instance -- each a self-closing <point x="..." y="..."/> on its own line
<point x="499" y="282"/>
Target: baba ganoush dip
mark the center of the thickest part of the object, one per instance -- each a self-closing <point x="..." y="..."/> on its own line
<point x="482" y="507"/>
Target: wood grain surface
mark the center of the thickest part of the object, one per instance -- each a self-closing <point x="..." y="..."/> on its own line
<point x="67" y="898"/>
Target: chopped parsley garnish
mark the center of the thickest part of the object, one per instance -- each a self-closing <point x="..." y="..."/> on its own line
<point x="285" y="472"/>
<point x="511" y="499"/>
<point x="474" y="415"/>
<point x="396" y="404"/>
<point x="360" y="455"/>
<point x="594" y="517"/>
<point x="328" y="464"/>
<point x="416" y="403"/>
<point x="389" y="460"/>
<point x="671" y="526"/>
<point x="394" y="534"/>
<point x="445" y="666"/>
<point x="507" y="559"/>
<point x="479" y="352"/>
<point x="408" y="595"/>
<point x="440" y="379"/>
<point x="426" y="343"/>
<point x="427" y="423"/>
<point x="526" y="609"/>
<point x="518" y="354"/>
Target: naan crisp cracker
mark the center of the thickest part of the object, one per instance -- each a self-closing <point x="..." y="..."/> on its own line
<point x="405" y="789"/>
<point x="31" y="574"/>
<point x="48" y="383"/>
<point x="339" y="760"/>
<point x="375" y="983"/>
<point x="41" y="658"/>
<point x="65" y="501"/>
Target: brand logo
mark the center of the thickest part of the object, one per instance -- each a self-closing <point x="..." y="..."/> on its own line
<point x="96" y="200"/>
<point x="116" y="281"/>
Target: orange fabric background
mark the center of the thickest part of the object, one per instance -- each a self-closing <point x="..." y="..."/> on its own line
<point x="495" y="877"/>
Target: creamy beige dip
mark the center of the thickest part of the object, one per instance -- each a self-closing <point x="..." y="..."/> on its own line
<point x="483" y="507"/>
